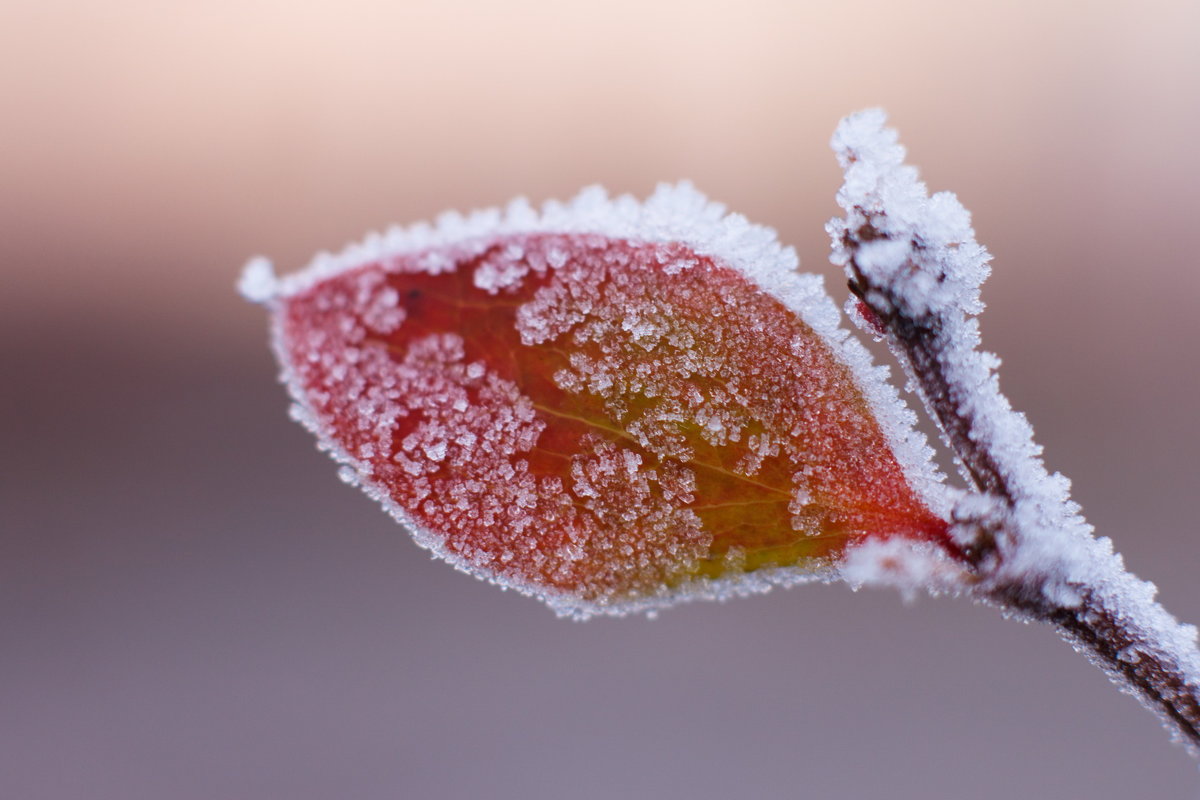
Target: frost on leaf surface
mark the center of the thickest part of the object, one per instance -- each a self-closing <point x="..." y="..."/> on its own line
<point x="607" y="404"/>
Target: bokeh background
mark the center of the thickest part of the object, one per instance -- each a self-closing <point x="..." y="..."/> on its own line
<point x="193" y="606"/>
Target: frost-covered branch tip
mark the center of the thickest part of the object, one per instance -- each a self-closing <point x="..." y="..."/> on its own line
<point x="918" y="253"/>
<point x="916" y="270"/>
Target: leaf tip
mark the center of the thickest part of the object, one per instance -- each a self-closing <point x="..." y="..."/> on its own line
<point x="258" y="283"/>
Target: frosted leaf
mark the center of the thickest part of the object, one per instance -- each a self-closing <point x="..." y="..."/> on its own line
<point x="608" y="404"/>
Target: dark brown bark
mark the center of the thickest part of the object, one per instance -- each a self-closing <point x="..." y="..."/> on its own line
<point x="1122" y="652"/>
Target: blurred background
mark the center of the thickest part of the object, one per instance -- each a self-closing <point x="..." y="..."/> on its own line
<point x="193" y="606"/>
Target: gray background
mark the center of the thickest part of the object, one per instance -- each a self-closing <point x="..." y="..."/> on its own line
<point x="191" y="604"/>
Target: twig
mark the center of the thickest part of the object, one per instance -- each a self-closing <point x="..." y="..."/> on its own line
<point x="915" y="269"/>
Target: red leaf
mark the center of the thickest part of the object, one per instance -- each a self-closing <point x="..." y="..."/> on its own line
<point x="595" y="406"/>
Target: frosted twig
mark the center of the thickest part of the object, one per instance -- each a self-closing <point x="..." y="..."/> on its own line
<point x="915" y="270"/>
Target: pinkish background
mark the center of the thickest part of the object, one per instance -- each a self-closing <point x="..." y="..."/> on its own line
<point x="193" y="607"/>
